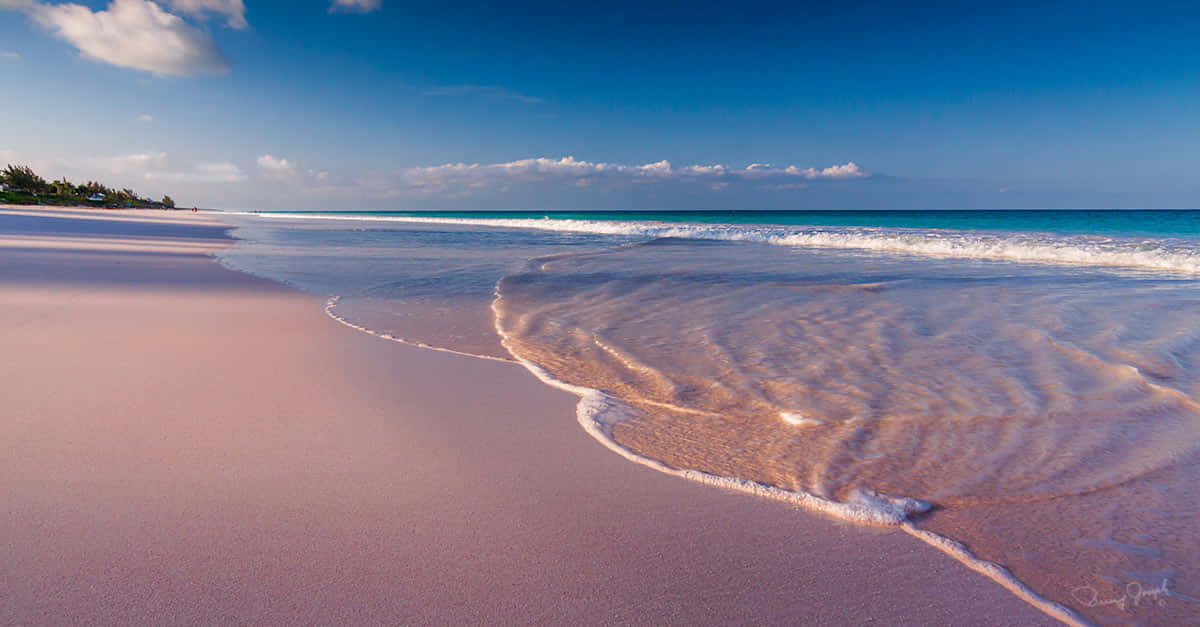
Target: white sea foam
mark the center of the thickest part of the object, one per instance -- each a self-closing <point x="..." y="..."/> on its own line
<point x="1144" y="253"/>
<point x="799" y="420"/>
<point x="598" y="412"/>
<point x="331" y="304"/>
<point x="995" y="572"/>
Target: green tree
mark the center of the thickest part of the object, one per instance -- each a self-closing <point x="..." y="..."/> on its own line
<point x="168" y="202"/>
<point x="91" y="188"/>
<point x="63" y="187"/>
<point x="21" y="178"/>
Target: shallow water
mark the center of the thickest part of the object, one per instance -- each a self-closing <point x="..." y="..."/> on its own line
<point x="1039" y="388"/>
<point x="946" y="382"/>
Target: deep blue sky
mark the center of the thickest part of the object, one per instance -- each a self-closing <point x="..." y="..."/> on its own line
<point x="945" y="105"/>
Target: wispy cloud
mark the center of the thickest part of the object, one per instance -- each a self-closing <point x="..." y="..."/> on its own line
<point x="155" y="166"/>
<point x="482" y="91"/>
<point x="354" y="6"/>
<point x="148" y="168"/>
<point x="145" y="117"/>
<point x="135" y="34"/>
<point x="135" y="163"/>
<point x="234" y="10"/>
<point x="217" y="172"/>
<point x="11" y="56"/>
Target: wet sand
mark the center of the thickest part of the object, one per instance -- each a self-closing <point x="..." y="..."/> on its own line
<point x="184" y="443"/>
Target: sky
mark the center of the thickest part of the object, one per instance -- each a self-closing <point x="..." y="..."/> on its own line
<point x="382" y="104"/>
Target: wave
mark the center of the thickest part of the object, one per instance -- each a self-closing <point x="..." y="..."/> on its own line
<point x="330" y="310"/>
<point x="597" y="412"/>
<point x="1173" y="255"/>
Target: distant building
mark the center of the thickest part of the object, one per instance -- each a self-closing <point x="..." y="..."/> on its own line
<point x="96" y="198"/>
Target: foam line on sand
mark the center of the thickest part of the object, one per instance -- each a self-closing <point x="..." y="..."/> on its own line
<point x="597" y="413"/>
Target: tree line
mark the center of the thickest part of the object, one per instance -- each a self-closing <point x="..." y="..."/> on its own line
<point x="21" y="185"/>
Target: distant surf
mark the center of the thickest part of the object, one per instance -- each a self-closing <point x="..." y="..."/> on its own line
<point x="1173" y="254"/>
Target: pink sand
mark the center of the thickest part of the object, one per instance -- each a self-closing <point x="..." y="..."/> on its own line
<point x="183" y="443"/>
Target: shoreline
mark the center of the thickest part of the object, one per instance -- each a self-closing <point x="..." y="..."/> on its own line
<point x="865" y="509"/>
<point x="246" y="458"/>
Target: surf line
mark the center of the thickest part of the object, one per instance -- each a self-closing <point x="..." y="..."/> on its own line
<point x="329" y="311"/>
<point x="865" y="507"/>
<point x="945" y="243"/>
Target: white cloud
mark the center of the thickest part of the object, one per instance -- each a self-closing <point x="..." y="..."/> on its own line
<point x="7" y="54"/>
<point x="149" y="172"/>
<point x="220" y="172"/>
<point x="154" y="166"/>
<point x="579" y="173"/>
<point x="355" y="6"/>
<point x="234" y="9"/>
<point x="276" y="167"/>
<point x="145" y="117"/>
<point x="706" y="170"/>
<point x="659" y="168"/>
<point x="136" y="34"/>
<point x="849" y="170"/>
<point x="137" y="163"/>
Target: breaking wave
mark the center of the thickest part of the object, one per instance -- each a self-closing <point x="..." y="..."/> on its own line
<point x="1174" y="255"/>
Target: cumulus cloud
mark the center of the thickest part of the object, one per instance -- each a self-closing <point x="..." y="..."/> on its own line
<point x="354" y="6"/>
<point x="234" y="10"/>
<point x="580" y="173"/>
<point x="136" y="34"/>
<point x="845" y="171"/>
<point x="276" y="167"/>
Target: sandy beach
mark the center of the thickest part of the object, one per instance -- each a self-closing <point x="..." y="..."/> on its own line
<point x="187" y="444"/>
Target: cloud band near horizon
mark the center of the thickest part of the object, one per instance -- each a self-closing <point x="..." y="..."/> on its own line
<point x="456" y="181"/>
<point x="586" y="173"/>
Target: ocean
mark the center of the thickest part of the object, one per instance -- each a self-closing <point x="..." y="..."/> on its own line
<point x="1023" y="384"/>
